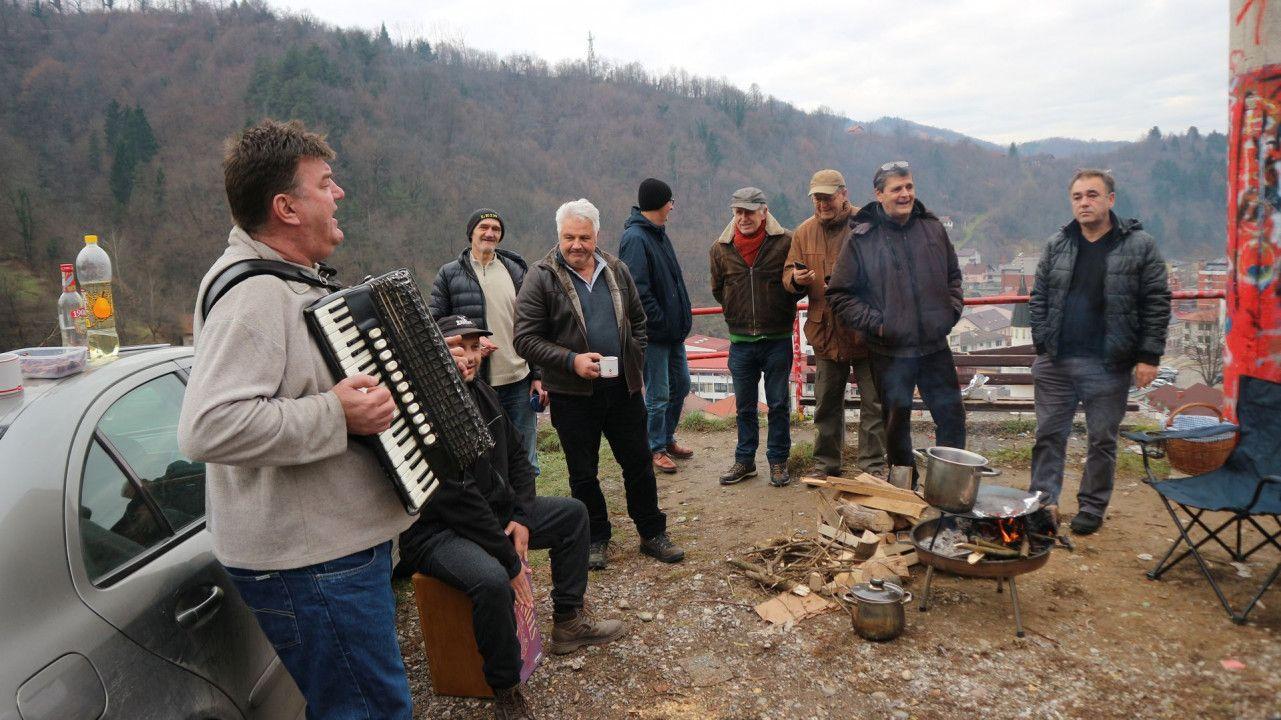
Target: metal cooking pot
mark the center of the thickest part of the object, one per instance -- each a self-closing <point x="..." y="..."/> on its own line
<point x="878" y="612"/>
<point x="952" y="478"/>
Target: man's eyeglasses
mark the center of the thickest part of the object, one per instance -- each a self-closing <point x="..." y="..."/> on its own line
<point x="896" y="165"/>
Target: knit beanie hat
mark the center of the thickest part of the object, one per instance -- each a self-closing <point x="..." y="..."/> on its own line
<point x="485" y="214"/>
<point x="653" y="194"/>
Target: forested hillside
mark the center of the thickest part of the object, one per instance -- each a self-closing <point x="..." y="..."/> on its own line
<point x="113" y="123"/>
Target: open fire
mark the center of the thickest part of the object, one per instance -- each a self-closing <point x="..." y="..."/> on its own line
<point x="980" y="539"/>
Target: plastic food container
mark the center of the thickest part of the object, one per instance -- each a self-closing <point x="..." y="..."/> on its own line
<point x="52" y="362"/>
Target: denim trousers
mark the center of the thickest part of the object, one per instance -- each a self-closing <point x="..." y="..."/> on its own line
<point x="556" y="523"/>
<point x="1059" y="386"/>
<point x="333" y="625"/>
<point x="515" y="400"/>
<point x="748" y="361"/>
<point x="666" y="385"/>
<point x="831" y="378"/>
<point x="618" y="415"/>
<point x="935" y="375"/>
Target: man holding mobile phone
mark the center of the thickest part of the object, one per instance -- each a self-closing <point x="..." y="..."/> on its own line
<point x="837" y="349"/>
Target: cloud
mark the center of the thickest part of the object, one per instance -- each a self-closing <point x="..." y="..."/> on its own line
<point x="1000" y="70"/>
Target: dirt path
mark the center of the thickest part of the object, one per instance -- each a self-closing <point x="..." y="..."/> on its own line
<point x="1102" y="641"/>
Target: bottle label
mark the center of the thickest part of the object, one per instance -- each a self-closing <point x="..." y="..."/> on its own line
<point x="100" y="307"/>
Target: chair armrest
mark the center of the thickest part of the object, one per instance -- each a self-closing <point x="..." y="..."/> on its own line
<point x="1189" y="434"/>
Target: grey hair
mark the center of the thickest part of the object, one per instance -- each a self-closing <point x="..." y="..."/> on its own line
<point x="580" y="208"/>
<point x="883" y="176"/>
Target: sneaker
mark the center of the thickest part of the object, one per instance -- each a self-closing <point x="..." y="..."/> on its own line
<point x="778" y="475"/>
<point x="1086" y="523"/>
<point x="738" y="472"/>
<point x="596" y="555"/>
<point x="679" y="452"/>
<point x="579" y="630"/>
<point x="510" y="704"/>
<point x="663" y="463"/>
<point x="661" y="547"/>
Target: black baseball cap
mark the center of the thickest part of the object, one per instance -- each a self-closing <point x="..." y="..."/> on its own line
<point x="452" y="325"/>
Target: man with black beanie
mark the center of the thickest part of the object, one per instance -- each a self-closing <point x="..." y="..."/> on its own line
<point x="476" y="287"/>
<point x="650" y="257"/>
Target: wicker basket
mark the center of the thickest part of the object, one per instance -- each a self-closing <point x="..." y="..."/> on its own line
<point x="1202" y="455"/>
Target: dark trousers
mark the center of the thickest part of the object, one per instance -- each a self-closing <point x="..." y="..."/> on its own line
<point x="558" y="524"/>
<point x="935" y="375"/>
<point x="580" y="421"/>
<point x="831" y="378"/>
<point x="748" y="362"/>
<point x="1059" y="386"/>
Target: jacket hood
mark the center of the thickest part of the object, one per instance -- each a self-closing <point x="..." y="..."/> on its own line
<point x="464" y="257"/>
<point x="872" y="214"/>
<point x="636" y="218"/>
<point x="773" y="228"/>
<point x="1123" y="227"/>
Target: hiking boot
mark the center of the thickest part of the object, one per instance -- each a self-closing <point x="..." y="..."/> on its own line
<point x="1086" y="523"/>
<point x="510" y="704"/>
<point x="596" y="555"/>
<point x="663" y="463"/>
<point x="778" y="475"/>
<point x="679" y="452"/>
<point x="738" y="472"/>
<point x="661" y="547"/>
<point x="579" y="630"/>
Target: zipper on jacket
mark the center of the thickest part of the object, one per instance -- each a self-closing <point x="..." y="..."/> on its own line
<point x="751" y="293"/>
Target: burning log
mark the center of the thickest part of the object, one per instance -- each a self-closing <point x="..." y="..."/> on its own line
<point x="988" y="549"/>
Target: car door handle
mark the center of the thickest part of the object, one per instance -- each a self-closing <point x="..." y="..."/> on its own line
<point x="191" y="617"/>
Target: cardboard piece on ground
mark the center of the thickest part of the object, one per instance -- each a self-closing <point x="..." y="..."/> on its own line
<point x="786" y="607"/>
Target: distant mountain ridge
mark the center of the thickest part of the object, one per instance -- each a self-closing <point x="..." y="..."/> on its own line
<point x="114" y="124"/>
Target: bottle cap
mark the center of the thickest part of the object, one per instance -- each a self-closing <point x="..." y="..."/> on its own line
<point x="67" y="267"/>
<point x="91" y="239"/>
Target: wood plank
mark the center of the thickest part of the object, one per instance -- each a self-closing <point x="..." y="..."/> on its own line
<point x="912" y="510"/>
<point x="865" y="484"/>
<point x="839" y="536"/>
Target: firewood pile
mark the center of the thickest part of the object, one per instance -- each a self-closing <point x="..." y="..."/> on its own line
<point x="861" y="534"/>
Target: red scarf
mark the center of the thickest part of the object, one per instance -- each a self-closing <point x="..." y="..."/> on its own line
<point x="749" y="245"/>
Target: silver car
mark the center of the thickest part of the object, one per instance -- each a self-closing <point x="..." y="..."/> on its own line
<point x="111" y="602"/>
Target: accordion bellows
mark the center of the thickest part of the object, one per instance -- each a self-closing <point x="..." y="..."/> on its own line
<point x="382" y="328"/>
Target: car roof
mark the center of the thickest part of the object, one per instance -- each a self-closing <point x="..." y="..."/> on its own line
<point x="88" y="384"/>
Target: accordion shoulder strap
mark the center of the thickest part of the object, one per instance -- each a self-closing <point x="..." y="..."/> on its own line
<point x="238" y="272"/>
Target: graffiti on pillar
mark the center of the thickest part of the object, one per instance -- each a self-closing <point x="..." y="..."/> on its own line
<point x="1254" y="229"/>
<point x="1260" y="8"/>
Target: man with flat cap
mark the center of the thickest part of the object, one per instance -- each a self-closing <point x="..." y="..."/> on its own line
<point x="837" y="348"/>
<point x="747" y="270"/>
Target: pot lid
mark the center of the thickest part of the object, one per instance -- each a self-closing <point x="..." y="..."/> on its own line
<point x="877" y="591"/>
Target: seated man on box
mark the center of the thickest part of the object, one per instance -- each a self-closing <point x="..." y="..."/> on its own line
<point x="475" y="535"/>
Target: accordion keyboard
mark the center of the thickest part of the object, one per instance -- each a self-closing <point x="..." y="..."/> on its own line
<point x="366" y="350"/>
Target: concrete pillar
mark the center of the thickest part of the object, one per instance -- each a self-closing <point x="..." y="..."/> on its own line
<point x="1253" y="339"/>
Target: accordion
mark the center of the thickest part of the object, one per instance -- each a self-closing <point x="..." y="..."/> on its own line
<point x="381" y="328"/>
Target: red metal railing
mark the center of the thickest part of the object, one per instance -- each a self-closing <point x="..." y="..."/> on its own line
<point x="798" y="361"/>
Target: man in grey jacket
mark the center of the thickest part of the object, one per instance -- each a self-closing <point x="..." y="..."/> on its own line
<point x="301" y="517"/>
<point x="1100" y="309"/>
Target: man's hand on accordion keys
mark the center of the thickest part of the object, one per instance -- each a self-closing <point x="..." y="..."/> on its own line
<point x="455" y="345"/>
<point x="366" y="405"/>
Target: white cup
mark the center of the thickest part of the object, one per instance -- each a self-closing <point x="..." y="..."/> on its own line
<point x="10" y="373"/>
<point x="609" y="366"/>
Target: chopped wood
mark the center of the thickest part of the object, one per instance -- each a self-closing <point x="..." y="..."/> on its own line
<point x="996" y="552"/>
<point x="816" y="581"/>
<point x="857" y="517"/>
<point x="840" y="536"/>
<point x="973" y="558"/>
<point x="868" y="544"/>
<point x="913" y="509"/>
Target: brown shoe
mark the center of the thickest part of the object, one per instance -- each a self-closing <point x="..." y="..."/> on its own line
<point x="664" y="463"/>
<point x="510" y="704"/>
<point x="679" y="452"/>
<point x="579" y="630"/>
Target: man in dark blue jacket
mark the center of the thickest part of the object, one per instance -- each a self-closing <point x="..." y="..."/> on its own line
<point x="650" y="257"/>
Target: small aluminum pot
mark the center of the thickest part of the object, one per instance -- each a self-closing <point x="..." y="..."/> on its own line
<point x="878" y="609"/>
<point x="952" y="478"/>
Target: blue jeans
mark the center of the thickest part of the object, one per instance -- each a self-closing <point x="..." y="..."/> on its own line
<point x="747" y="362"/>
<point x="333" y="625"/>
<point x="666" y="385"/>
<point x="515" y="400"/>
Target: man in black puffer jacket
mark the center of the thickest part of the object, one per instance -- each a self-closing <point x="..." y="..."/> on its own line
<point x="897" y="280"/>
<point x="477" y="287"/>
<point x="1099" y="311"/>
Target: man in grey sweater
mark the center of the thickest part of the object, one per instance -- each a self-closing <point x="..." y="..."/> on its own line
<point x="301" y="518"/>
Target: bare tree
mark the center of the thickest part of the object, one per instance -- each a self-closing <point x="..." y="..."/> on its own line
<point x="1206" y="351"/>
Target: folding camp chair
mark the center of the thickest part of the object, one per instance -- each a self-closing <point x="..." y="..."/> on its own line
<point x="1248" y="485"/>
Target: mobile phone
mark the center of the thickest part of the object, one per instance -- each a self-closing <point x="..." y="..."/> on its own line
<point x="800" y="265"/>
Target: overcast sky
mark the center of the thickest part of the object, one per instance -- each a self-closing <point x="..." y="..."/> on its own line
<point x="1000" y="70"/>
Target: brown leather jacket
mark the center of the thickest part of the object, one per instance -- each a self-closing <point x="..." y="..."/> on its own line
<point x="754" y="300"/>
<point x="816" y="244"/>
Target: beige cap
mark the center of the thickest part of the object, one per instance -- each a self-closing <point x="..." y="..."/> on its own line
<point x="748" y="198"/>
<point x="826" y="182"/>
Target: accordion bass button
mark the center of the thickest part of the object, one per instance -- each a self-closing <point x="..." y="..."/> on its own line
<point x="392" y="365"/>
<point x="380" y="344"/>
<point x="375" y="332"/>
<point x="403" y="387"/>
<point x="413" y="408"/>
<point x="420" y="419"/>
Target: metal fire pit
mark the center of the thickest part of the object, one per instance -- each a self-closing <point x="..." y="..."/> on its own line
<point x="1003" y="569"/>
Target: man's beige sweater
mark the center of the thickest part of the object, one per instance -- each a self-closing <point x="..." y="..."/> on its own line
<point x="284" y="487"/>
